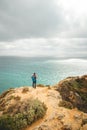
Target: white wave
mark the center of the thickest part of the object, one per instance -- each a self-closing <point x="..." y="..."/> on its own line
<point x="74" y="60"/>
<point x="82" y="62"/>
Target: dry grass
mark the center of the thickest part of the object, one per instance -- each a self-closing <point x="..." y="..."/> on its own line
<point x="65" y="104"/>
<point x="25" y="90"/>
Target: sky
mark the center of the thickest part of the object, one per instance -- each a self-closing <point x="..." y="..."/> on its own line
<point x="43" y="28"/>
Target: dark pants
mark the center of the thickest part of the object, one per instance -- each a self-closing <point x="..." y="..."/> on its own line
<point x="34" y="84"/>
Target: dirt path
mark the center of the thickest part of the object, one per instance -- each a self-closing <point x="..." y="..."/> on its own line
<point x="56" y="117"/>
<point x="50" y="98"/>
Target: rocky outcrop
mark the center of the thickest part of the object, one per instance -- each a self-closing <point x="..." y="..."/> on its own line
<point x="72" y="92"/>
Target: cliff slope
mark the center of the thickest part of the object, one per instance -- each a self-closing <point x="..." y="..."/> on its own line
<point x="72" y="91"/>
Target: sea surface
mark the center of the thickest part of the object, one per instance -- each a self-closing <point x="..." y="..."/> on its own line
<point x="17" y="71"/>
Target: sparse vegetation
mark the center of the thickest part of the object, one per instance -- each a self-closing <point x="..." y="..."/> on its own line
<point x="74" y="90"/>
<point x="25" y="90"/>
<point x="22" y="114"/>
<point x="65" y="104"/>
<point x="40" y="85"/>
<point x="10" y="98"/>
<point x="4" y="101"/>
<point x="8" y="92"/>
<point x="17" y="98"/>
<point x="49" y="87"/>
<point x="84" y="121"/>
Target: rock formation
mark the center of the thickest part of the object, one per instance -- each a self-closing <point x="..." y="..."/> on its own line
<point x="74" y="91"/>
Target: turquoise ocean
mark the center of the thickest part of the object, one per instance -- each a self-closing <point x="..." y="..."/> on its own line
<point x="17" y="71"/>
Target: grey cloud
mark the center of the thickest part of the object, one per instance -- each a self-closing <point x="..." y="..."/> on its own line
<point x="25" y="19"/>
<point x="42" y="28"/>
<point x="46" y="47"/>
<point x="34" y="19"/>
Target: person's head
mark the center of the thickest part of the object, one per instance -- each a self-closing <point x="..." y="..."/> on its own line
<point x="34" y="73"/>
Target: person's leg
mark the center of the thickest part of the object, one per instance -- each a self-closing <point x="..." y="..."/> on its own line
<point x="33" y="84"/>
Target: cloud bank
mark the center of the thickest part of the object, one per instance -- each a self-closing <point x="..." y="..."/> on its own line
<point x="55" y="28"/>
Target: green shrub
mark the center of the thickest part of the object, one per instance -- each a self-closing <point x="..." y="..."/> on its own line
<point x="25" y="115"/>
<point x="8" y="122"/>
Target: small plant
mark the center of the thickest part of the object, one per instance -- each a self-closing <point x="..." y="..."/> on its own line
<point x="17" y="98"/>
<point x="10" y="98"/>
<point x="40" y="85"/>
<point x="84" y="121"/>
<point x="49" y="87"/>
<point x="25" y="90"/>
<point x="65" y="104"/>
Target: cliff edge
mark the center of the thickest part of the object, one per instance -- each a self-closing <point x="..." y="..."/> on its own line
<point x="62" y="106"/>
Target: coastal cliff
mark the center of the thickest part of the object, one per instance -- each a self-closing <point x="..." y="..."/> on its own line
<point x="59" y="107"/>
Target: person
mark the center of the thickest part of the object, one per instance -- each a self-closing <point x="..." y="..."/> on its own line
<point x="34" y="78"/>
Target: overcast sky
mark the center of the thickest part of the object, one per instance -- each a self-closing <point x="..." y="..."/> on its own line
<point x="56" y="28"/>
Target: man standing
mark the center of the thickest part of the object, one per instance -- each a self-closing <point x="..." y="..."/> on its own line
<point x="34" y="78"/>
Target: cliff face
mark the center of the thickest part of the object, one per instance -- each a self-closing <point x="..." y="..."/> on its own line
<point x="71" y="91"/>
<point x="74" y="91"/>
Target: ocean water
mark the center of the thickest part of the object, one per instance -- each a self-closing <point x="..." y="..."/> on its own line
<point x="17" y="71"/>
